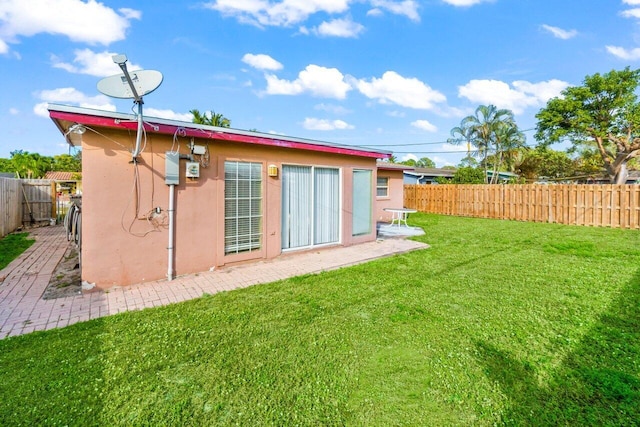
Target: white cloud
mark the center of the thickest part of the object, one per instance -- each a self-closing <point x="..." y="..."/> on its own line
<point x="465" y="3"/>
<point x="409" y="157"/>
<point x="335" y="109"/>
<point x="168" y="114"/>
<point x="345" y="28"/>
<point x="631" y="13"/>
<point x="626" y="54"/>
<point x="287" y="13"/>
<point x="70" y="95"/>
<point x="14" y="111"/>
<point x="94" y="64"/>
<point x="517" y="97"/>
<point x="261" y="62"/>
<point x="87" y="22"/>
<point x="282" y="14"/>
<point x="392" y="88"/>
<point x="4" y="48"/>
<point x="316" y="80"/>
<point x="322" y="124"/>
<point x="408" y="8"/>
<point x="451" y="148"/>
<point x="559" y="32"/>
<point x="424" y="125"/>
<point x="441" y="161"/>
<point x="375" y="12"/>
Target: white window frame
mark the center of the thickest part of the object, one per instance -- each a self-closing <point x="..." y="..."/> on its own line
<point x="313" y="212"/>
<point x="250" y="199"/>
<point x="385" y="187"/>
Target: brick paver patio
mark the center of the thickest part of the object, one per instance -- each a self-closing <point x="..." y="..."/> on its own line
<point x="22" y="309"/>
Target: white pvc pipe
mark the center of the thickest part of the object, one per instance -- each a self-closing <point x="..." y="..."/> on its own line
<point x="136" y="152"/>
<point x="171" y="230"/>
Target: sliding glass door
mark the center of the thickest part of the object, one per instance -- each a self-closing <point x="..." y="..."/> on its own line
<point x="310" y="206"/>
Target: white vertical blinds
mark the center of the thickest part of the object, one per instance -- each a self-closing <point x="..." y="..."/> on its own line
<point x="297" y="206"/>
<point x="327" y="206"/>
<point x="362" y="202"/>
<point x="310" y="206"/>
<point x="242" y="207"/>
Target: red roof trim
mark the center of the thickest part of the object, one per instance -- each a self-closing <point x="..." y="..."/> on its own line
<point x="111" y="122"/>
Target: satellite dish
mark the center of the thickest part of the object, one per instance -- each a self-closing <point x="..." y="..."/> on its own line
<point x="144" y="82"/>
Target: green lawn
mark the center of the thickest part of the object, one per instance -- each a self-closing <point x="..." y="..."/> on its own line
<point x="498" y="322"/>
<point x="11" y="246"/>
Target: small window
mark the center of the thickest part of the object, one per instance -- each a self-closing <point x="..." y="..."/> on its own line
<point x="382" y="186"/>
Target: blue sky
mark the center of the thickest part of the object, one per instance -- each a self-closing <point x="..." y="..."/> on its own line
<point x="395" y="75"/>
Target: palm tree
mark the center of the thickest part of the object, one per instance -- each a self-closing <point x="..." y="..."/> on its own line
<point x="508" y="141"/>
<point x="210" y="118"/>
<point x="463" y="134"/>
<point x="480" y="130"/>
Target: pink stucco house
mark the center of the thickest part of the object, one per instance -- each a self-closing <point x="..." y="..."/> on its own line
<point x="389" y="189"/>
<point x="200" y="197"/>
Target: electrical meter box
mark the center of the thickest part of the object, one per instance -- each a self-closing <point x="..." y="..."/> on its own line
<point x="172" y="168"/>
<point x="193" y="170"/>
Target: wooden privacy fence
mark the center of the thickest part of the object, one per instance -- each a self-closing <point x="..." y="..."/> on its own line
<point x="25" y="202"/>
<point x="616" y="206"/>
<point x="10" y="205"/>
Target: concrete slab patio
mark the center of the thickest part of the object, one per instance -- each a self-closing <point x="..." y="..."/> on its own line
<point x="22" y="283"/>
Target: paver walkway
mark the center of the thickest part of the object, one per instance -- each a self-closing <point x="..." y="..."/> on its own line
<point x="22" y="309"/>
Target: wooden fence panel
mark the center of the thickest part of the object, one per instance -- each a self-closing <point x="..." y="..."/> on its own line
<point x="39" y="200"/>
<point x="10" y="205"/>
<point x="616" y="206"/>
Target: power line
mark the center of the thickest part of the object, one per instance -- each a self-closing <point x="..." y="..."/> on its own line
<point x="448" y="141"/>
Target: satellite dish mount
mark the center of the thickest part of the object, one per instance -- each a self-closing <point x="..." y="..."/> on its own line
<point x="131" y="86"/>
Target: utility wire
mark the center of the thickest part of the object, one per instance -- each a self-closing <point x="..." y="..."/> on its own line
<point x="448" y="141"/>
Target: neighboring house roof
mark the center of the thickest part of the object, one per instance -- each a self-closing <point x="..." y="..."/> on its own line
<point x="393" y="166"/>
<point x="65" y="116"/>
<point x="503" y="174"/>
<point x="7" y="175"/>
<point x="63" y="176"/>
<point x="420" y="172"/>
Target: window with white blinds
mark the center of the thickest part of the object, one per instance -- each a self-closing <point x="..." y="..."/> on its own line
<point x="242" y="207"/>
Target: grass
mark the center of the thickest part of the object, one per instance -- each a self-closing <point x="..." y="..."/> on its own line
<point x="498" y="322"/>
<point x="11" y="246"/>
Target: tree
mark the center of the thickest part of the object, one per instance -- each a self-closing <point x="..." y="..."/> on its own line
<point x="67" y="163"/>
<point x="7" y="166"/>
<point x="469" y="175"/>
<point x="509" y="140"/>
<point x="468" y="161"/>
<point x="425" y="162"/>
<point x="30" y="165"/>
<point x="545" y="162"/>
<point x="210" y="118"/>
<point x="604" y="111"/>
<point x="487" y="130"/>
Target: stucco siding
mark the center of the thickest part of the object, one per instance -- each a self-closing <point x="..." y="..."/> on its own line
<point x="122" y="246"/>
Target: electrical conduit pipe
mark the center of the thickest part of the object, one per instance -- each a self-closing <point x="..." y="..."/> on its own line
<point x="171" y="212"/>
